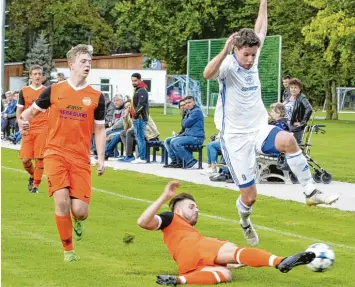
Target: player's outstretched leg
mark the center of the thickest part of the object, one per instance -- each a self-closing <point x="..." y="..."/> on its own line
<point x="255" y="257"/>
<point x="208" y="275"/>
<point x="285" y="142"/>
<point x="301" y="258"/>
<point x="248" y="230"/>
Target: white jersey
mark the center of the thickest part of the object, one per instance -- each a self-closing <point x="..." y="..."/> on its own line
<point x="242" y="108"/>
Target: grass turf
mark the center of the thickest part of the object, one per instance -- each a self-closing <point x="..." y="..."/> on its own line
<point x="32" y="253"/>
<point x="334" y="150"/>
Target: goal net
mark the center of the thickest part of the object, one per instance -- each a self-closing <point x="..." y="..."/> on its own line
<point x="346" y="99"/>
<point x="200" y="52"/>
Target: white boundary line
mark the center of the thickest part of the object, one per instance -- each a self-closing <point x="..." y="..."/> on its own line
<point x="289" y="234"/>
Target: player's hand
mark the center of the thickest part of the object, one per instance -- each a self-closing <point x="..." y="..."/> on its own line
<point x="170" y="190"/>
<point x="100" y="168"/>
<point x="230" y="43"/>
<point x="24" y="126"/>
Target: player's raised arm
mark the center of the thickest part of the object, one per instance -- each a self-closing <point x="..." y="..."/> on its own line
<point x="40" y="105"/>
<point x="261" y="22"/>
<point x="149" y="220"/>
<point x="212" y="68"/>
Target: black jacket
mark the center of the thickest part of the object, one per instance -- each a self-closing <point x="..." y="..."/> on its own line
<point x="302" y="111"/>
<point x="140" y="103"/>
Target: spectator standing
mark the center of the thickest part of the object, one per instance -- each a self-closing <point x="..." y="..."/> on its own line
<point x="141" y="115"/>
<point x="286" y="91"/>
<point x="298" y="110"/>
<point x="8" y="116"/>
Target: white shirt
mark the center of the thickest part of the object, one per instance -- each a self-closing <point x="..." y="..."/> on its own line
<point x="242" y="108"/>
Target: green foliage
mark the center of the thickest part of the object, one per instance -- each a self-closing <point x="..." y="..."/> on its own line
<point x="65" y="23"/>
<point x="40" y="55"/>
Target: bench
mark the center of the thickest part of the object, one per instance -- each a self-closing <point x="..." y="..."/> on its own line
<point x="192" y="149"/>
<point x="156" y="145"/>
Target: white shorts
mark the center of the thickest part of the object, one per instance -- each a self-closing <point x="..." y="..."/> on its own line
<point x="239" y="152"/>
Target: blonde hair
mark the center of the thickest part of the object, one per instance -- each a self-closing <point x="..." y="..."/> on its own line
<point x="77" y="50"/>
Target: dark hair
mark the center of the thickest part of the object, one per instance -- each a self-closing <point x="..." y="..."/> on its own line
<point x="189" y="98"/>
<point x="60" y="74"/>
<point x="182" y="100"/>
<point x="247" y="37"/>
<point x="287" y="77"/>
<point x="179" y="197"/>
<point x="136" y="75"/>
<point x="295" y="82"/>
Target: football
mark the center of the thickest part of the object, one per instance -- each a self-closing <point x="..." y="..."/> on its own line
<point x="324" y="257"/>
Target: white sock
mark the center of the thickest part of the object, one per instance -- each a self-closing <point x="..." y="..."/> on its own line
<point x="244" y="212"/>
<point x="299" y="166"/>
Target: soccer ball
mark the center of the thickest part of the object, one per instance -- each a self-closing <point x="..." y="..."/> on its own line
<point x="324" y="257"/>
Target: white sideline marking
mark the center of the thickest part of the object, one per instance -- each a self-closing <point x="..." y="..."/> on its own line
<point x="213" y="216"/>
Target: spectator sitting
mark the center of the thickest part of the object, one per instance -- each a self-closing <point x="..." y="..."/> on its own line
<point x="8" y="116"/>
<point x="15" y="138"/>
<point x="128" y="138"/>
<point x="277" y="116"/>
<point x="298" y="110"/>
<point x="194" y="134"/>
<point x="113" y="133"/>
<point x="127" y="135"/>
<point x="168" y="140"/>
<point x="213" y="148"/>
<point x="109" y="112"/>
<point x="60" y="77"/>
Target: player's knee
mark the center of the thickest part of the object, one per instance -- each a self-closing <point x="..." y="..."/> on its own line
<point x="249" y="199"/>
<point x="25" y="160"/>
<point x="227" y="275"/>
<point x="63" y="205"/>
<point x="80" y="213"/>
<point x="288" y="142"/>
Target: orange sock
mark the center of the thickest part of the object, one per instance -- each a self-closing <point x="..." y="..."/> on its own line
<point x="64" y="226"/>
<point x="256" y="257"/>
<point x="202" y="278"/>
<point x="38" y="172"/>
<point x="29" y="168"/>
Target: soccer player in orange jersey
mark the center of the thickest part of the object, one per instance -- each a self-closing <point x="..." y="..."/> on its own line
<point x="203" y="260"/>
<point x="76" y="111"/>
<point x="34" y="140"/>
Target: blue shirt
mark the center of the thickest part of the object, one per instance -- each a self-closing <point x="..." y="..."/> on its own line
<point x="194" y="123"/>
<point x="10" y="108"/>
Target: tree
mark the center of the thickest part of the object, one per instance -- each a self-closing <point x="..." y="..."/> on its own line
<point x="161" y="28"/>
<point x="332" y="31"/>
<point x="64" y="23"/>
<point x="40" y="55"/>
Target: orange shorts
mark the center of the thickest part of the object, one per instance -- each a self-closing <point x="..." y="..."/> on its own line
<point x="63" y="172"/>
<point x="203" y="254"/>
<point x="32" y="145"/>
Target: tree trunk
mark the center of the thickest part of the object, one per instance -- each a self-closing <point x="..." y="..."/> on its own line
<point x="328" y="101"/>
<point x="334" y="101"/>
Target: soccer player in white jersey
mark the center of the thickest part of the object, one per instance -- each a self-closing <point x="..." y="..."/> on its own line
<point x="245" y="130"/>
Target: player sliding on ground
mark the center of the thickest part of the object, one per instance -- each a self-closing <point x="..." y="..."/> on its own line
<point x="76" y="110"/>
<point x="244" y="129"/>
<point x="203" y="260"/>
<point x="34" y="140"/>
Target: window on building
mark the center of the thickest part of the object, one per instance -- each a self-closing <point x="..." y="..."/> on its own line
<point x="105" y="85"/>
<point x="149" y="84"/>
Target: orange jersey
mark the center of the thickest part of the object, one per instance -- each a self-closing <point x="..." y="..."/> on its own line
<point x="27" y="97"/>
<point x="181" y="239"/>
<point x="73" y="112"/>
